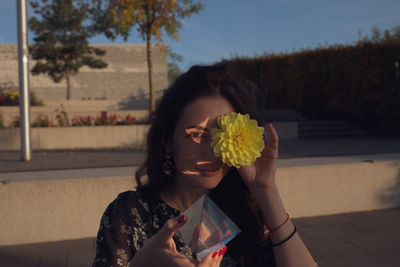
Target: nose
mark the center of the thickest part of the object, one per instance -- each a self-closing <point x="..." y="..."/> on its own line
<point x="207" y="152"/>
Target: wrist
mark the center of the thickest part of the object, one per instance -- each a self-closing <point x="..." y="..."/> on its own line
<point x="271" y="205"/>
<point x="263" y="192"/>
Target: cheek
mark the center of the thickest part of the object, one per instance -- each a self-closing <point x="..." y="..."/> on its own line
<point x="225" y="170"/>
<point x="185" y="150"/>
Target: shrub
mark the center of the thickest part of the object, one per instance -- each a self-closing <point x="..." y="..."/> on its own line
<point x="82" y="121"/>
<point x="11" y="98"/>
<point x="2" y="121"/>
<point x="358" y="83"/>
<point x="42" y="121"/>
<point x="127" y="120"/>
<point x="62" y="116"/>
<point x="106" y="120"/>
<point x="15" y="122"/>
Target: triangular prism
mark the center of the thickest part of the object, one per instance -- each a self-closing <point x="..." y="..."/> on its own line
<point x="207" y="227"/>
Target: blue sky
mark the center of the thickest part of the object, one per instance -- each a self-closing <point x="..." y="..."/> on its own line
<point x="226" y="27"/>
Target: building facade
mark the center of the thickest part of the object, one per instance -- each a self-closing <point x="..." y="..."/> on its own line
<point x="124" y="81"/>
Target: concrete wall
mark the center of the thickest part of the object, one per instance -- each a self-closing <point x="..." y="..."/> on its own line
<point x="125" y="79"/>
<point x="43" y="209"/>
<point x="60" y="205"/>
<point x="77" y="137"/>
<point x="323" y="186"/>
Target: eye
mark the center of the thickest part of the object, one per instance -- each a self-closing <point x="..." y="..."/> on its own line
<point x="196" y="135"/>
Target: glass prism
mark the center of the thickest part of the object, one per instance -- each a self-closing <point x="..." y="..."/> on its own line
<point x="207" y="227"/>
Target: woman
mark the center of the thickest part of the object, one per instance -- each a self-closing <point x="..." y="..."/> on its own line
<point x="137" y="229"/>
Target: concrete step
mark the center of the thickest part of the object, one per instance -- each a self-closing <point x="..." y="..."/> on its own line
<point x="329" y="129"/>
<point x="278" y="115"/>
<point x="343" y="134"/>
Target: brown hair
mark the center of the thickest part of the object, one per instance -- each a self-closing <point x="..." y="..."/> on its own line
<point x="231" y="195"/>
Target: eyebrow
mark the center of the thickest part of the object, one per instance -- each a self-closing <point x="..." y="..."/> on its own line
<point x="197" y="128"/>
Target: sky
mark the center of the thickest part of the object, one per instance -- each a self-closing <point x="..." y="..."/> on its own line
<point x="254" y="27"/>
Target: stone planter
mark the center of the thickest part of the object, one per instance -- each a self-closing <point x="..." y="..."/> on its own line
<point x="77" y="137"/>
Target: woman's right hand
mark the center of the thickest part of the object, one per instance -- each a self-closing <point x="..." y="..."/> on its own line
<point x="160" y="250"/>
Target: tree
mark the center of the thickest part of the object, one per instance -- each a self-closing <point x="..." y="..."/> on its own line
<point x="61" y="45"/>
<point x="151" y="17"/>
<point x="388" y="36"/>
<point x="173" y="69"/>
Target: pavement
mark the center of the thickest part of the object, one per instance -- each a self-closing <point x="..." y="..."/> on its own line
<point x="364" y="239"/>
<point x="361" y="239"/>
<point x="123" y="157"/>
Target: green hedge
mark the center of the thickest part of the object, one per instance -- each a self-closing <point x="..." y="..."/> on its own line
<point x="359" y="83"/>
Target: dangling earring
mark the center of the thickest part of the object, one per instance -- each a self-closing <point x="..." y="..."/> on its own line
<point x="167" y="163"/>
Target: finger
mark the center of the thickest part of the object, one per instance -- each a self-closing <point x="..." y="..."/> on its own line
<point x="265" y="138"/>
<point x="208" y="260"/>
<point x="218" y="258"/>
<point x="170" y="227"/>
<point x="212" y="259"/>
<point x="274" y="140"/>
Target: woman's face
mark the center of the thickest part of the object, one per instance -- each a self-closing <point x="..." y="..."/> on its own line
<point x="194" y="158"/>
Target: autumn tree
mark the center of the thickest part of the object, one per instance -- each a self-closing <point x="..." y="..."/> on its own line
<point x="173" y="69"/>
<point x="61" y="48"/>
<point x="152" y="18"/>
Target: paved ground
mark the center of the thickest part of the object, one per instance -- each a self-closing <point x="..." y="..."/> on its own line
<point x="88" y="158"/>
<point x="362" y="239"/>
<point x="355" y="239"/>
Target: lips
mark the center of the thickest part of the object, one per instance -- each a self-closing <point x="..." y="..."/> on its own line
<point x="209" y="173"/>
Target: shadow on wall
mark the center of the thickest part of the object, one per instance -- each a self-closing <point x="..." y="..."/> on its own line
<point x="139" y="101"/>
<point x="392" y="195"/>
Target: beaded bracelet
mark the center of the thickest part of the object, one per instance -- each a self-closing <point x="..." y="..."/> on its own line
<point x="286" y="239"/>
<point x="270" y="232"/>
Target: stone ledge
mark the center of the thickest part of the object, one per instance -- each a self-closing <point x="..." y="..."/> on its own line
<point x="77" y="137"/>
<point x="61" y="205"/>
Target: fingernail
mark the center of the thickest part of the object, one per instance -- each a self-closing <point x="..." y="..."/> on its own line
<point x="214" y="254"/>
<point x="224" y="250"/>
<point x="181" y="219"/>
<point x="220" y="252"/>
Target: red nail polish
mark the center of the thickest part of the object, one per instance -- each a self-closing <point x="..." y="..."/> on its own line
<point x="224" y="250"/>
<point x="220" y="252"/>
<point x="214" y="254"/>
<point x="181" y="219"/>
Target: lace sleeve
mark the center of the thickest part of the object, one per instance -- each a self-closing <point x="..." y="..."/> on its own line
<point x="114" y="243"/>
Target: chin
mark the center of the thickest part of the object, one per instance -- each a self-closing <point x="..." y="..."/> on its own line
<point x="203" y="179"/>
<point x="210" y="183"/>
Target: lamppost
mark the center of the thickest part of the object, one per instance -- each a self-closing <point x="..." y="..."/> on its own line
<point x="23" y="74"/>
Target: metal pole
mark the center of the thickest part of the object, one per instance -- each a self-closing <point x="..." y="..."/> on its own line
<point x="24" y="101"/>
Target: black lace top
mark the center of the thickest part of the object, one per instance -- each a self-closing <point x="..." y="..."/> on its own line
<point x="135" y="216"/>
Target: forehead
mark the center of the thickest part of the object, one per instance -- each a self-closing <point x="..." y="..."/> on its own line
<point x="204" y="111"/>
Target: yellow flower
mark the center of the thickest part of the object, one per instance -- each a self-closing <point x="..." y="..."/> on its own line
<point x="238" y="141"/>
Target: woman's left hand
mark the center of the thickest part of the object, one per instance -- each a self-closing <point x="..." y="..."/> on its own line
<point x="261" y="174"/>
